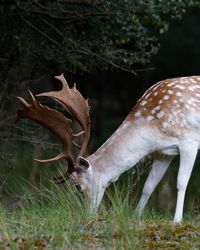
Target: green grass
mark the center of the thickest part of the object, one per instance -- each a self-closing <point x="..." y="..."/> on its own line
<point x="57" y="218"/>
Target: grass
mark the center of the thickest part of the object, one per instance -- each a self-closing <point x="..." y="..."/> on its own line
<point x="57" y="218"/>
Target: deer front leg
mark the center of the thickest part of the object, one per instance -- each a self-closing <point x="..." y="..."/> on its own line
<point x="160" y="165"/>
<point x="187" y="158"/>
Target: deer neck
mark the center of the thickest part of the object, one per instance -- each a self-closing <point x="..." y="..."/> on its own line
<point x="128" y="145"/>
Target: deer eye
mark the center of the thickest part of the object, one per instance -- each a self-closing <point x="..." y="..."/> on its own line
<point x="78" y="187"/>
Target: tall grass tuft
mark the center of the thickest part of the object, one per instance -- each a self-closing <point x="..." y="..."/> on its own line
<point x="57" y="218"/>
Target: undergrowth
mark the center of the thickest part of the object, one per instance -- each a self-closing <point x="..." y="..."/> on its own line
<point x="57" y="218"/>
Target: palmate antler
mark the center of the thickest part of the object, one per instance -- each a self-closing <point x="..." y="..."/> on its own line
<point x="72" y="100"/>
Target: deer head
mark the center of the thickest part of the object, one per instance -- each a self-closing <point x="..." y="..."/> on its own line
<point x="59" y="125"/>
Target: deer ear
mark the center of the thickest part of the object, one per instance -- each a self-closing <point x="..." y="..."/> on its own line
<point x="82" y="164"/>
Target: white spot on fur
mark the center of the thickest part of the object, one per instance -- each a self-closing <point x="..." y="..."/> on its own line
<point x="138" y="113"/>
<point x="143" y="103"/>
<point x="149" y="118"/>
<point x="192" y="80"/>
<point x="183" y="81"/>
<point x="165" y="124"/>
<point x="155" y="109"/>
<point x="160" y="102"/>
<point x="171" y="92"/>
<point x="192" y="99"/>
<point x="180" y="87"/>
<point x="178" y="94"/>
<point x="160" y="114"/>
<point x="187" y="106"/>
<point x="189" y="101"/>
<point x="191" y="88"/>
<point x="181" y="101"/>
<point x="166" y="97"/>
<point x="175" y="112"/>
<point x="171" y="84"/>
<point x="193" y="103"/>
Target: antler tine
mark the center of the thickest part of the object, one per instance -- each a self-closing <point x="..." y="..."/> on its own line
<point x="72" y="100"/>
<point x="53" y="120"/>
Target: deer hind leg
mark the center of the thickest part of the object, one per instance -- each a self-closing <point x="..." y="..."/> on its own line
<point x="188" y="154"/>
<point x="160" y="165"/>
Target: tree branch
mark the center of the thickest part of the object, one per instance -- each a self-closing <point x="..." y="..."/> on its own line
<point x="40" y="31"/>
<point x="88" y="2"/>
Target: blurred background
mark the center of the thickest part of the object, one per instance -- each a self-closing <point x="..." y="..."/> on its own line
<point x="114" y="50"/>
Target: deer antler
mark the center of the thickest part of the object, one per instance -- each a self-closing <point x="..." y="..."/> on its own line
<point x="56" y="122"/>
<point x="73" y="101"/>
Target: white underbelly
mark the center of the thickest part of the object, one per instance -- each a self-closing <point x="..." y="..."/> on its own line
<point x="173" y="150"/>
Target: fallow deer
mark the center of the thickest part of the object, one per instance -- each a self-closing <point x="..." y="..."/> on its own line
<point x="165" y="122"/>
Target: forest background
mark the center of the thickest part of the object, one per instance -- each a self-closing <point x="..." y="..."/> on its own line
<point x="114" y="50"/>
